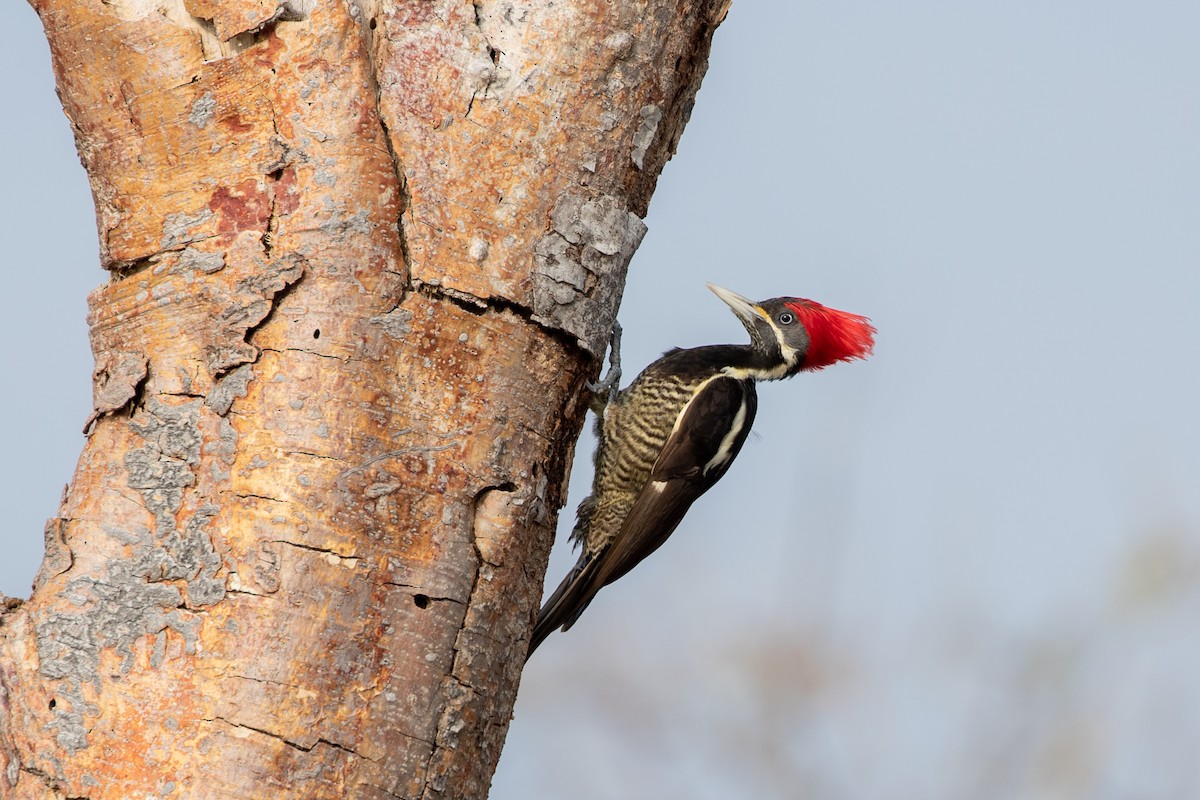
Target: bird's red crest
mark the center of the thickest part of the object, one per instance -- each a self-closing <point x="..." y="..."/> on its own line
<point x="833" y="335"/>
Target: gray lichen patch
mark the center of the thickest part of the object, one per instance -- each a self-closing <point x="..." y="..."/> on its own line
<point x="228" y="388"/>
<point x="192" y="259"/>
<point x="178" y="227"/>
<point x="116" y="379"/>
<point x="339" y="223"/>
<point x="397" y="323"/>
<point x="161" y="471"/>
<point x="580" y="266"/>
<point x="118" y="610"/>
<point x="154" y="577"/>
<point x="70" y="729"/>
<point x="651" y="115"/>
<point x="202" y="111"/>
<point x="224" y="451"/>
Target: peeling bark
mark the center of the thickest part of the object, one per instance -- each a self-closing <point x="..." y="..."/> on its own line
<point x="362" y="257"/>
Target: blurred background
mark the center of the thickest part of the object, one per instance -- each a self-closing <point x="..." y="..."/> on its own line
<point x="966" y="568"/>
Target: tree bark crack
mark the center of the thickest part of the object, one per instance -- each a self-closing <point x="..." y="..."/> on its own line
<point x="313" y="455"/>
<point x="291" y="276"/>
<point x="268" y="498"/>
<point x="307" y="351"/>
<point x="292" y="744"/>
<point x="493" y="56"/>
<point x="323" y="550"/>
<point x="48" y="780"/>
<point x="476" y="305"/>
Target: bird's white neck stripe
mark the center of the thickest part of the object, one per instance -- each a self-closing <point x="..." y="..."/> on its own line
<point x="723" y="452"/>
<point x="758" y="374"/>
<point x="789" y="353"/>
<point x="790" y="357"/>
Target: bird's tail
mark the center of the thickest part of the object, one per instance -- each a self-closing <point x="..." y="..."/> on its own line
<point x="568" y="601"/>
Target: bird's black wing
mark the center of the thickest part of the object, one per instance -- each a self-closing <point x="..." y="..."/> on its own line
<point x="710" y="432"/>
<point x="709" y="435"/>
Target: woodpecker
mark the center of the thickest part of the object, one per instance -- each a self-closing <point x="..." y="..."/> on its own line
<point x="670" y="435"/>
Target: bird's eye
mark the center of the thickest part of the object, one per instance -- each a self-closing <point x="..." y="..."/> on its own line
<point x="786" y="318"/>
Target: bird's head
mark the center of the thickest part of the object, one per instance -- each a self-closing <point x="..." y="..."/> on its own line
<point x="797" y="334"/>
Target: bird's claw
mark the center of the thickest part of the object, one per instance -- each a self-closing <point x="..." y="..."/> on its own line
<point x="605" y="390"/>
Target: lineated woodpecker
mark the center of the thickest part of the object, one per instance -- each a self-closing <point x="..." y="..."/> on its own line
<point x="668" y="437"/>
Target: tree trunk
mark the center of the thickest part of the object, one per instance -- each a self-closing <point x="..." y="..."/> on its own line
<point x="362" y="257"/>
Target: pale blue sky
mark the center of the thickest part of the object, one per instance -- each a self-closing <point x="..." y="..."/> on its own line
<point x="969" y="567"/>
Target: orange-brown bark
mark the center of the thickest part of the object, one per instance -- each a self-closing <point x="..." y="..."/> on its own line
<point x="362" y="257"/>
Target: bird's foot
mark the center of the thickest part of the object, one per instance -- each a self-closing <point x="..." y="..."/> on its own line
<point x="605" y="391"/>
